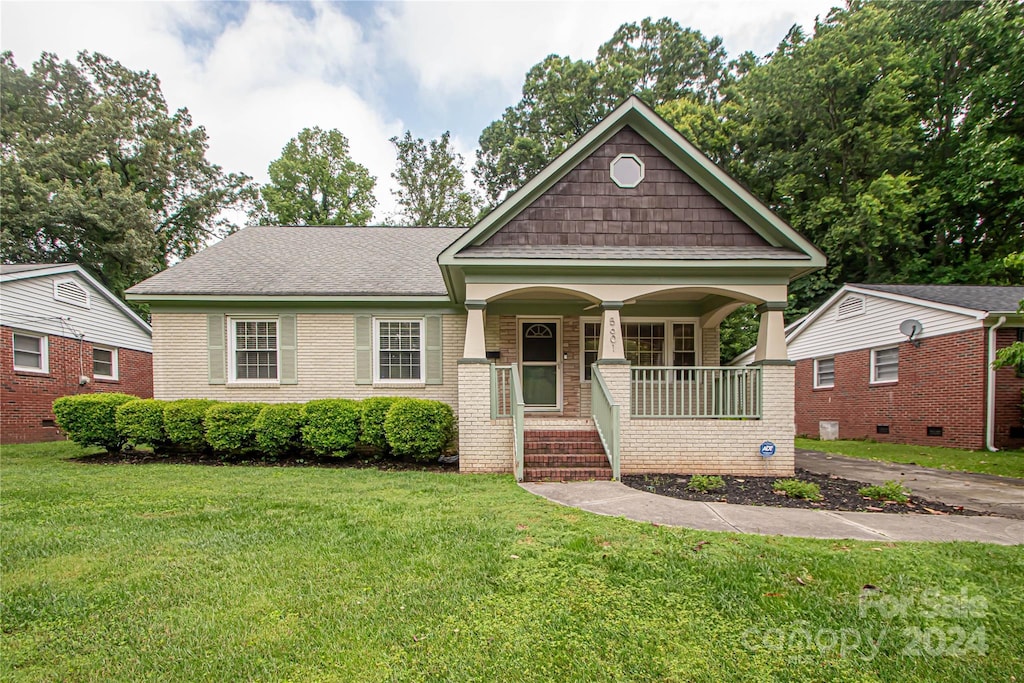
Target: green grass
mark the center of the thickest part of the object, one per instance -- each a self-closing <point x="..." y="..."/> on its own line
<point x="171" y="572"/>
<point x="1005" y="463"/>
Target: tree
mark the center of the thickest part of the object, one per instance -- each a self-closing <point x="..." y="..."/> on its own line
<point x="316" y="182"/>
<point x="431" y="183"/>
<point x="97" y="171"/>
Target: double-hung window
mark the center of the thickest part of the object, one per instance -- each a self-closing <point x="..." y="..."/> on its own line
<point x="30" y="352"/>
<point x="824" y="373"/>
<point x="253" y="349"/>
<point x="398" y="353"/>
<point x="104" y="362"/>
<point x="885" y="365"/>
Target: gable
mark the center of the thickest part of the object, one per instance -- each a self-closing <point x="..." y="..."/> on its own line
<point x="587" y="207"/>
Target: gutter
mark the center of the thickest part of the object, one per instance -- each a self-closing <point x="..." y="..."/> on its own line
<point x="990" y="388"/>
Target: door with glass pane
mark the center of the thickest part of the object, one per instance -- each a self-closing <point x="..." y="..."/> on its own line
<point x="539" y="356"/>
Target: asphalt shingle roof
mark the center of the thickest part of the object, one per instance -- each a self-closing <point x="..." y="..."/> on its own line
<point x="11" y="268"/>
<point x="989" y="298"/>
<point x="312" y="261"/>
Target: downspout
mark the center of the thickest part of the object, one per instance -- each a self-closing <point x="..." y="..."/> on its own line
<point x="990" y="388"/>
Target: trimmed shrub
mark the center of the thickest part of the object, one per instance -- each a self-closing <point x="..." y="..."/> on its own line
<point x="278" y="429"/>
<point x="231" y="427"/>
<point x="703" y="483"/>
<point x="794" y="488"/>
<point x="375" y="411"/>
<point x="90" y="419"/>
<point x="331" y="426"/>
<point x="142" y="422"/>
<point x="183" y="423"/>
<point x="419" y="428"/>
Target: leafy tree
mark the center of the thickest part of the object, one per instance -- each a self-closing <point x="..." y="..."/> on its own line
<point x="96" y="170"/>
<point x="431" y="183"/>
<point x="316" y="182"/>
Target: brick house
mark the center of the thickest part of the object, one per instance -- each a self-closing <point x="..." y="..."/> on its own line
<point x="574" y="329"/>
<point x="62" y="333"/>
<point x="865" y="369"/>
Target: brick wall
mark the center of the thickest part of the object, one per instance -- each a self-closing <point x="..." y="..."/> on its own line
<point x="941" y="383"/>
<point x="28" y="397"/>
<point x="485" y="445"/>
<point x="1008" y="396"/>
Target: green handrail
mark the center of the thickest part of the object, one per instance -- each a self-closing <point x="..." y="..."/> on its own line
<point x="606" y="417"/>
<point x="696" y="392"/>
<point x="518" y="409"/>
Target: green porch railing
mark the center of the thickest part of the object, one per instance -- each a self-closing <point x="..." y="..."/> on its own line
<point x="501" y="391"/>
<point x="518" y="407"/>
<point x="606" y="417"/>
<point x="700" y="392"/>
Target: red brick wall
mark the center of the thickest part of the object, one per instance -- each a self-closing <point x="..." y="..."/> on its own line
<point x="27" y="398"/>
<point x="1008" y="396"/>
<point x="941" y="383"/>
<point x="509" y="345"/>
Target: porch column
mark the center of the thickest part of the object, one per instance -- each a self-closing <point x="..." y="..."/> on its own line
<point x="475" y="346"/>
<point x="771" y="335"/>
<point x="611" y="346"/>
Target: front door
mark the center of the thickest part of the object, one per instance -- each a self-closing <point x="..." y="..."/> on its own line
<point x="539" y="355"/>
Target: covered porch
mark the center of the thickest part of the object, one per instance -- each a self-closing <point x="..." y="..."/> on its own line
<point x="636" y="365"/>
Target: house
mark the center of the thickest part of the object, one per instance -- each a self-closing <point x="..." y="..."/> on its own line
<point x="574" y="329"/>
<point x="910" y="364"/>
<point x="61" y="333"/>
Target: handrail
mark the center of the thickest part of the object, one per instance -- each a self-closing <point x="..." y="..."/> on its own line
<point x="606" y="417"/>
<point x="696" y="392"/>
<point x="518" y="408"/>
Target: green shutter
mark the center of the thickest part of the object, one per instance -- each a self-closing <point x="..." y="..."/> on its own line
<point x="215" y="348"/>
<point x="286" y="350"/>
<point x="364" y="349"/>
<point x="434" y="340"/>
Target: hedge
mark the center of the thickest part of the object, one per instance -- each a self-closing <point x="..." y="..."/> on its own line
<point x="142" y="422"/>
<point x="90" y="419"/>
<point x="331" y="426"/>
<point x="231" y="427"/>
<point x="374" y="412"/>
<point x="419" y="428"/>
<point x="183" y="423"/>
<point x="278" y="429"/>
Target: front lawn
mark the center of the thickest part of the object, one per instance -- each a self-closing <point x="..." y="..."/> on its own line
<point x="179" y="572"/>
<point x="1005" y="463"/>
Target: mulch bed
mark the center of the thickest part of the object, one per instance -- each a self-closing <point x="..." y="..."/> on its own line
<point x="355" y="461"/>
<point x="839" y="494"/>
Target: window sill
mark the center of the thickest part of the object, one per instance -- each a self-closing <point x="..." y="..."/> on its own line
<point x="885" y="383"/>
<point x="824" y="388"/>
<point x="398" y="383"/>
<point x="107" y="380"/>
<point x="29" y="371"/>
<point x="252" y="385"/>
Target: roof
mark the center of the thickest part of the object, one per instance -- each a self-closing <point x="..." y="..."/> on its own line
<point x="25" y="271"/>
<point x="987" y="298"/>
<point x="555" y="251"/>
<point x="314" y="261"/>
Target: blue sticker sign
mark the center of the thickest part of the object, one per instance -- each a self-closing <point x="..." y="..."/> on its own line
<point x="767" y="449"/>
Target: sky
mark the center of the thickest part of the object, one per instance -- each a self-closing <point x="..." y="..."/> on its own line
<point x="256" y="73"/>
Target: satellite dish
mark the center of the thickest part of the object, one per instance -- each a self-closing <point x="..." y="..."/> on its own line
<point x="912" y="329"/>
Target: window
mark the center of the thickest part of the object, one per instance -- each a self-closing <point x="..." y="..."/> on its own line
<point x="254" y="350"/>
<point x="824" y="373"/>
<point x="646" y="344"/>
<point x="104" y="363"/>
<point x="627" y="170"/>
<point x="30" y="352"/>
<point x="885" y="365"/>
<point x="399" y="351"/>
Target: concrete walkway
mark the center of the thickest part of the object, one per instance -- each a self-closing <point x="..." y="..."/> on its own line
<point x="982" y="492"/>
<point x="618" y="500"/>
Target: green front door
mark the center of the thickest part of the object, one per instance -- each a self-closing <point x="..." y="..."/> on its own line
<point x="539" y="353"/>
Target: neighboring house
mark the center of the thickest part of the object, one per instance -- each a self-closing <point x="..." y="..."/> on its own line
<point x="860" y="372"/>
<point x="574" y="329"/>
<point x="63" y="333"/>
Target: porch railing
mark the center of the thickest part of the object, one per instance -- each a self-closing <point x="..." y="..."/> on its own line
<point x="701" y="392"/>
<point x="606" y="418"/>
<point x="507" y="402"/>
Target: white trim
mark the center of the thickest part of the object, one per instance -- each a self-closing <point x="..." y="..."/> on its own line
<point x="44" y="353"/>
<point x="115" y="374"/>
<point x="621" y="183"/>
<point x="817" y="379"/>
<point x="59" y="296"/>
<point x="376" y="351"/>
<point x="233" y="362"/>
<point x="669" y="339"/>
<point x="872" y="378"/>
<point x="559" y="377"/>
<point x="976" y="313"/>
<point x="845" y="310"/>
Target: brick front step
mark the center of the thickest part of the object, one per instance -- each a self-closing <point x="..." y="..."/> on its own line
<point x="567" y="473"/>
<point x="566" y="460"/>
<point x="557" y="442"/>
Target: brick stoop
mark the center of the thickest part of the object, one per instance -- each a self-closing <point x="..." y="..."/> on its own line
<point x="564" y="455"/>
